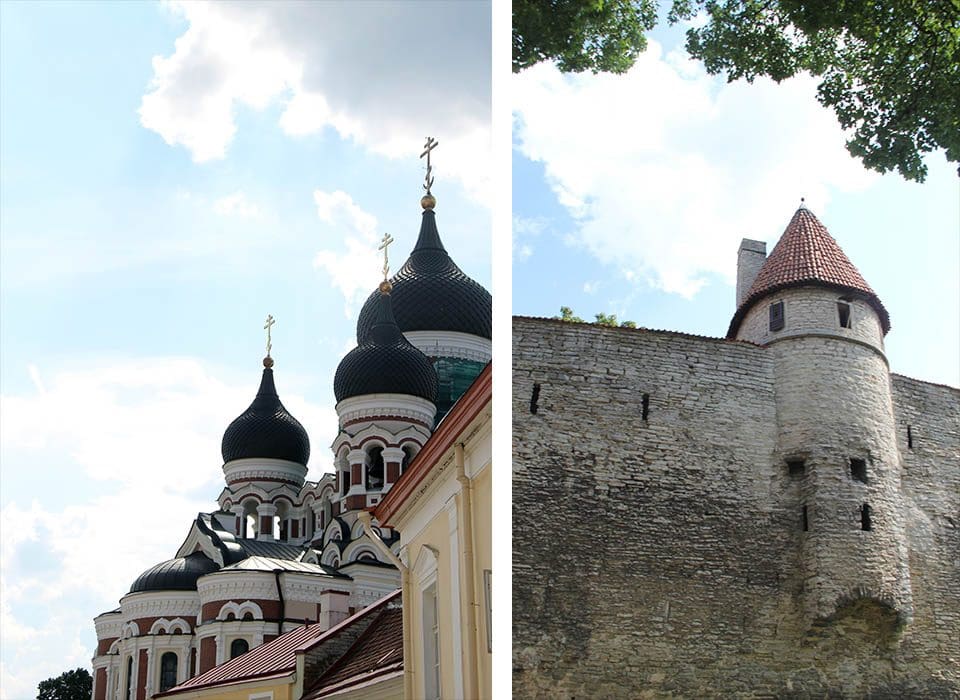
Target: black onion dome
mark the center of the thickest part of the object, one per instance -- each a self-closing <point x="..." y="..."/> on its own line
<point x="430" y="293"/>
<point x="178" y="574"/>
<point x="385" y="362"/>
<point x="266" y="429"/>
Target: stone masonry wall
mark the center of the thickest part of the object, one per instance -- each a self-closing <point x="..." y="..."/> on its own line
<point x="662" y="556"/>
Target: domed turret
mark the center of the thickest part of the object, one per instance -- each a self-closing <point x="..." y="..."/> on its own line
<point x="178" y="574"/>
<point x="385" y="391"/>
<point x="441" y="311"/>
<point x="385" y="362"/>
<point x="430" y="293"/>
<point x="266" y="429"/>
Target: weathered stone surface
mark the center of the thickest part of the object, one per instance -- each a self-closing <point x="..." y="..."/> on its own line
<point x="666" y="557"/>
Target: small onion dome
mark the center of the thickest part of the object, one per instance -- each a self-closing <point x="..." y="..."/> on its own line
<point x="266" y="429"/>
<point x="178" y="574"/>
<point x="385" y="362"/>
<point x="430" y="293"/>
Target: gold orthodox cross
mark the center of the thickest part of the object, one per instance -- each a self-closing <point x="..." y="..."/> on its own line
<point x="427" y="147"/>
<point x="266" y="327"/>
<point x="387" y="240"/>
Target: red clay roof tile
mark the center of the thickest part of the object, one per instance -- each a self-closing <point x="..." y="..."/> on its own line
<point x="805" y="254"/>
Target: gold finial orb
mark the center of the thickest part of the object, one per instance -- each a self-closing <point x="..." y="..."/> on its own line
<point x="386" y="287"/>
<point x="268" y="362"/>
<point x="428" y="201"/>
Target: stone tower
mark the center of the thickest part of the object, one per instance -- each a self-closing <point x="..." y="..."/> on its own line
<point x="836" y="441"/>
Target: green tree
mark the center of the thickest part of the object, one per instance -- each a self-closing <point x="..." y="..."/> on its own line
<point x="566" y="314"/>
<point x="889" y="69"/>
<point x="69" y="685"/>
<point x="595" y="35"/>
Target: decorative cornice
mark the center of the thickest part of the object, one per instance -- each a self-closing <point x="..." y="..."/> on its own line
<point x="136" y="606"/>
<point x="386" y="406"/>
<point x="450" y="344"/>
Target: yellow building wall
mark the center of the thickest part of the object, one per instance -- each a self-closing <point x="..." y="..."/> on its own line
<point x="432" y="542"/>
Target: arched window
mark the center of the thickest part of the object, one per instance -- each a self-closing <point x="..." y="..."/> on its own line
<point x="375" y="469"/>
<point x="128" y="693"/>
<point x="238" y="646"/>
<point x="168" y="671"/>
<point x="408" y="456"/>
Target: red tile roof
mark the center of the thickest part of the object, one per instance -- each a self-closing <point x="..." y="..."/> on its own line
<point x="378" y="651"/>
<point x="805" y="254"/>
<point x="275" y="658"/>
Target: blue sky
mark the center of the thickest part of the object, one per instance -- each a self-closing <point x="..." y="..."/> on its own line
<point x="631" y="195"/>
<point x="170" y="175"/>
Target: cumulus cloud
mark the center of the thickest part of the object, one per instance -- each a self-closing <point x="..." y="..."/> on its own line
<point x="665" y="168"/>
<point x="351" y="265"/>
<point x="140" y="439"/>
<point x="381" y="74"/>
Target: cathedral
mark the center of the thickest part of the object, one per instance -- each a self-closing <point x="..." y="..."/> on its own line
<point x="769" y="514"/>
<point x="282" y="552"/>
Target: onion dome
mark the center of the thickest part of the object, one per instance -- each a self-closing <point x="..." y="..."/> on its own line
<point x="266" y="430"/>
<point x="807" y="254"/>
<point x="385" y="362"/>
<point x="430" y="293"/>
<point x="178" y="574"/>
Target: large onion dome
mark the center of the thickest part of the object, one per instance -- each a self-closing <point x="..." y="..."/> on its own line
<point x="384" y="362"/>
<point x="266" y="430"/>
<point x="178" y="574"/>
<point x="430" y="293"/>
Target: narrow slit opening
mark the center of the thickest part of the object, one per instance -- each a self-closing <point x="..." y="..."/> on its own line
<point x="645" y="406"/>
<point x="865" y="523"/>
<point x="535" y="398"/>
<point x="804" y="519"/>
<point x="910" y="437"/>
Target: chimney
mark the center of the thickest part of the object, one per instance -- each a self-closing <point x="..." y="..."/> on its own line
<point x="750" y="259"/>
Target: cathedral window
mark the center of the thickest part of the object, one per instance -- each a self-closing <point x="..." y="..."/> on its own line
<point x="168" y="671"/>
<point x="858" y="469"/>
<point x="344" y="482"/>
<point x="375" y="469"/>
<point x="776" y="316"/>
<point x="239" y="646"/>
<point x="534" y="398"/>
<point x="865" y="523"/>
<point x="843" y="313"/>
<point x="130" y="690"/>
<point x="408" y="456"/>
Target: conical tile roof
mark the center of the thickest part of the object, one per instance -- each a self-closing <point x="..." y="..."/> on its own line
<point x="807" y="254"/>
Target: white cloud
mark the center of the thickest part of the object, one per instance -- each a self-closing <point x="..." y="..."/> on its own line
<point x="140" y="440"/>
<point x="236" y="204"/>
<point x="664" y="169"/>
<point x="381" y="74"/>
<point x="354" y="271"/>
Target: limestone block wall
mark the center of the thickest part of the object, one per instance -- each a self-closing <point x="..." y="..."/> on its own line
<point x="658" y="548"/>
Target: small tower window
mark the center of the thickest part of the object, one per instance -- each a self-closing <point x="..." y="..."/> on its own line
<point x="865" y="517"/>
<point x="858" y="469"/>
<point x="804" y="518"/>
<point x="407" y="458"/>
<point x="644" y="406"/>
<point x="843" y="313"/>
<point x="796" y="467"/>
<point x="776" y="316"/>
<point x="239" y="646"/>
<point x="375" y="469"/>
